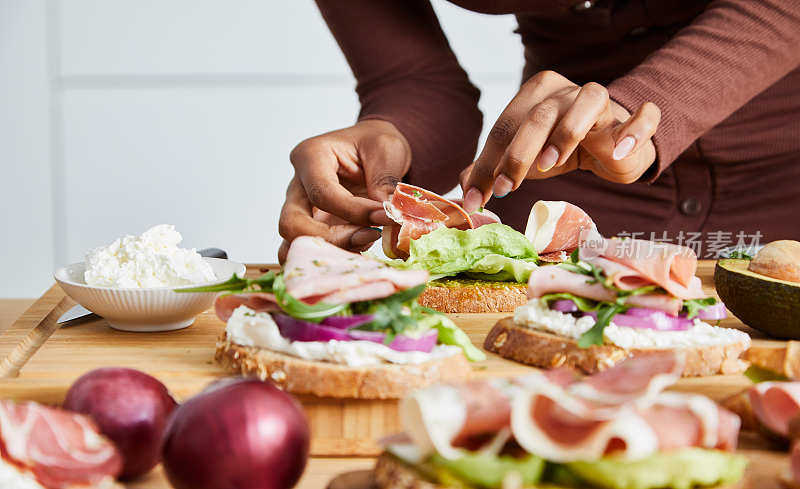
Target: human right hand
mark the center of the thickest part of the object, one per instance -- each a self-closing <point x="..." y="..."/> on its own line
<point x="341" y="179"/>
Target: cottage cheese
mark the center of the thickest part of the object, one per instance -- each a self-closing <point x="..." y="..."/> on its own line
<point x="150" y="260"/>
<point x="537" y="316"/>
<point x="249" y="328"/>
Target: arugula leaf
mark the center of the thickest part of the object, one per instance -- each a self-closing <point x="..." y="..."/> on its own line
<point x="594" y="336"/>
<point x="692" y="306"/>
<point x="583" y="304"/>
<point x="758" y="374"/>
<point x="237" y="284"/>
<point x="299" y="309"/>
<point x="739" y="254"/>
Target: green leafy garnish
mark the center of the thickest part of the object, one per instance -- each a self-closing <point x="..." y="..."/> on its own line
<point x="692" y="306"/>
<point x="238" y="284"/>
<point x="585" y="305"/>
<point x="417" y="194"/>
<point x="605" y="312"/>
<point x="758" y="374"/>
<point x="739" y="254"/>
<point x="299" y="309"/>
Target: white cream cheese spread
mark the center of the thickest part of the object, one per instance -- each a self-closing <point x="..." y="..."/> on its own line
<point x="535" y="315"/>
<point x="150" y="260"/>
<point x="249" y="328"/>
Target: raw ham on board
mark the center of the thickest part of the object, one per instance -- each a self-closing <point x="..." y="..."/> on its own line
<point x="58" y="448"/>
<point x="775" y="404"/>
<point x="317" y="271"/>
<point x="558" y="226"/>
<point x="417" y="212"/>
<point x="560" y="418"/>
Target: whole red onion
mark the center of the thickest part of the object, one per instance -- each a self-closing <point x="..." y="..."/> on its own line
<point x="238" y="433"/>
<point x="130" y="407"/>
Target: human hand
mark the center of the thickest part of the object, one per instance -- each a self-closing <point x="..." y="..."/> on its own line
<point x="341" y="179"/>
<point x="553" y="126"/>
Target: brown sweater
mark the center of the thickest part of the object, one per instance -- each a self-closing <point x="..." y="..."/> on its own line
<point x="725" y="74"/>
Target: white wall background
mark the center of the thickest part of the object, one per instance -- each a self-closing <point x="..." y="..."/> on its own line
<point x="116" y="115"/>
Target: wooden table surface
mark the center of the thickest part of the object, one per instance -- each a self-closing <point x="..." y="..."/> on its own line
<point x="182" y="360"/>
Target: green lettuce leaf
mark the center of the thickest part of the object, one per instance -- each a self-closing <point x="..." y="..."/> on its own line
<point x="692" y="306"/>
<point x="450" y="334"/>
<point x="448" y="252"/>
<point x="502" y="268"/>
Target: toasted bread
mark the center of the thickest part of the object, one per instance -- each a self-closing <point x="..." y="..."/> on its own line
<point x="454" y="296"/>
<point x="546" y="350"/>
<point x="780" y="357"/>
<point x="391" y="473"/>
<point x="323" y="379"/>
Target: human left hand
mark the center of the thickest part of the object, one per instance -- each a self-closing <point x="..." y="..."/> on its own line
<point x="553" y="126"/>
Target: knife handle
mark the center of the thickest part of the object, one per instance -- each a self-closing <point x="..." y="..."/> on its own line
<point x="213" y="253"/>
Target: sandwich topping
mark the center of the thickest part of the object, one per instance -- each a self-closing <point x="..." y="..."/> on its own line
<point x="576" y="426"/>
<point x="631" y="293"/>
<point x="332" y="305"/>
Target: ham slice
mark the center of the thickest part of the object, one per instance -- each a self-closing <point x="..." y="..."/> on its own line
<point x="59" y="449"/>
<point x="563" y="418"/>
<point x="670" y="266"/>
<point x="775" y="404"/>
<point x="553" y="279"/>
<point x="316" y="270"/>
<point x="224" y="305"/>
<point x="417" y="212"/>
<point x="559" y="226"/>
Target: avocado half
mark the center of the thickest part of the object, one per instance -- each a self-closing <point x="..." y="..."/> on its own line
<point x="763" y="303"/>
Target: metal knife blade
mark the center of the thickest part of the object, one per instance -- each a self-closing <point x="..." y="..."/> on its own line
<point x="79" y="312"/>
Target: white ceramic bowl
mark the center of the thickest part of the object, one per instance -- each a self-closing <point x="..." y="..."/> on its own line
<point x="151" y="309"/>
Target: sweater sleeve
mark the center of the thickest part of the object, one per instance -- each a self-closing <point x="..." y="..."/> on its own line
<point x="729" y="54"/>
<point x="407" y="74"/>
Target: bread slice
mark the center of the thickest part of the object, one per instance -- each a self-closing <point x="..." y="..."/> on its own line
<point x="546" y="350"/>
<point x="323" y="379"/>
<point x="780" y="357"/>
<point x="392" y="473"/>
<point x="454" y="296"/>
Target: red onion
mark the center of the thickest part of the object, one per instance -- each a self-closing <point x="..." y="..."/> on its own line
<point x="717" y="311"/>
<point x="563" y="305"/>
<point x="347" y="322"/>
<point x="425" y="343"/>
<point x="238" y="433"/>
<point x="299" y="330"/>
<point x="130" y="407"/>
<point x="642" y="318"/>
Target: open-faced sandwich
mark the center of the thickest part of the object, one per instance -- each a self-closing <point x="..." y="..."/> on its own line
<point x="615" y="298"/>
<point x="339" y="324"/>
<point x="616" y="429"/>
<point x="48" y="448"/>
<point x="476" y="263"/>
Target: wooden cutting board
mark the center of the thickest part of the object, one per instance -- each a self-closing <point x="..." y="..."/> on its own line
<point x="49" y="359"/>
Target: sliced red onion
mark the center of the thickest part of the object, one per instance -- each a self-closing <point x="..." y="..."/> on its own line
<point x="717" y="311"/>
<point x="347" y="322"/>
<point x="648" y="319"/>
<point x="563" y="305"/>
<point x="299" y="330"/>
<point x="424" y="343"/>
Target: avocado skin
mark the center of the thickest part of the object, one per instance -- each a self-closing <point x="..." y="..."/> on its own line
<point x="763" y="303"/>
<point x="682" y="469"/>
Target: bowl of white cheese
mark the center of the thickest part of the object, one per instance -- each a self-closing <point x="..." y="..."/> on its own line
<point x="132" y="282"/>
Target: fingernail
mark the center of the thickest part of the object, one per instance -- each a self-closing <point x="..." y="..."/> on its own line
<point x="472" y="200"/>
<point x="364" y="236"/>
<point x="624" y="147"/>
<point x="548" y="158"/>
<point x="502" y="186"/>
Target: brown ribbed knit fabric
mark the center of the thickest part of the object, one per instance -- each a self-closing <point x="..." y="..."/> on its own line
<point x="724" y="73"/>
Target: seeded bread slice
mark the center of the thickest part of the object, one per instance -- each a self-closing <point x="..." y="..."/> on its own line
<point x="323" y="379"/>
<point x="456" y="296"/>
<point x="546" y="350"/>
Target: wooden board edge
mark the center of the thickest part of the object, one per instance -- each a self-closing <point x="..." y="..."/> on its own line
<point x="43" y="321"/>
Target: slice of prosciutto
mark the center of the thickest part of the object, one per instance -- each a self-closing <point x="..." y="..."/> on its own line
<point x="562" y="418"/>
<point x="317" y="271"/>
<point x="555" y="226"/>
<point x="224" y="305"/>
<point x="775" y="404"/>
<point x="417" y="212"/>
<point x="554" y="279"/>
<point x="668" y="265"/>
<point x="57" y="448"/>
